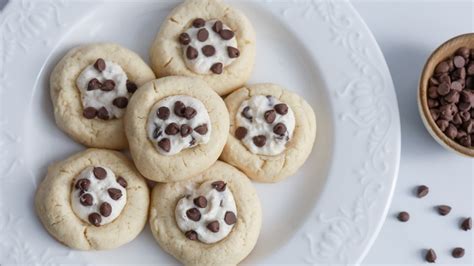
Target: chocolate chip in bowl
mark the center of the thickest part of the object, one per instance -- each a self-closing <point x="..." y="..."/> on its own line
<point x="446" y="94"/>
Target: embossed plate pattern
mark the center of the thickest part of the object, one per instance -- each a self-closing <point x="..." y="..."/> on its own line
<point x="329" y="212"/>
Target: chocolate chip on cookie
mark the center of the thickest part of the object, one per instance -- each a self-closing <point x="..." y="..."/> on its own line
<point x="279" y="129"/>
<point x="105" y="209"/>
<point x="218" y="26"/>
<point x="100" y="65"/>
<point x="202" y="35"/>
<point x="202" y="130"/>
<point x="219" y="185"/>
<point x="208" y="50"/>
<point x="120" y="102"/>
<point x="163" y="113"/>
<point x="184" y="38"/>
<point x="281" y="109"/>
<point x="99" y="173"/>
<point x="226" y="34"/>
<point x="83" y="184"/>
<point x="157" y="133"/>
<point x="179" y="108"/>
<point x="200" y="201"/>
<point x="122" y="182"/>
<point x="233" y="52"/>
<point x="94" y="84"/>
<point x="95" y="219"/>
<point x="213" y="226"/>
<point x="131" y="86"/>
<point x="192" y="142"/>
<point x="240" y="133"/>
<point x="165" y="144"/>
<point x="191" y="235"/>
<point x="193" y="214"/>
<point x="108" y="85"/>
<point x="217" y="68"/>
<point x="103" y="113"/>
<point x="199" y="23"/>
<point x="230" y="218"/>
<point x="172" y="129"/>
<point x="86" y="199"/>
<point x="186" y="130"/>
<point x="191" y="53"/>
<point x="270" y="116"/>
<point x="245" y="113"/>
<point x="114" y="193"/>
<point x="259" y="141"/>
<point x="89" y="113"/>
<point x="189" y="113"/>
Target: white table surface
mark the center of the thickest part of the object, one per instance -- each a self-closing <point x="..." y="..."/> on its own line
<point x="407" y="32"/>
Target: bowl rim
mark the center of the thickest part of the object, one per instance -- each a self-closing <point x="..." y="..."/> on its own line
<point x="428" y="120"/>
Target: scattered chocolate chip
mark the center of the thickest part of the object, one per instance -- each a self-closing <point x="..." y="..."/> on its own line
<point x="200" y="201"/>
<point x="403" y="216"/>
<point x="108" y="85"/>
<point x="114" y="193"/>
<point x="163" y="113"/>
<point x="189" y="113"/>
<point x="186" y="130"/>
<point x="202" y="130"/>
<point x="184" y="38"/>
<point x="466" y="225"/>
<point x="442" y="67"/>
<point x="463" y="51"/>
<point x="451" y="131"/>
<point x="105" y="209"/>
<point x="442" y="124"/>
<point x="233" y="52"/>
<point x="131" y="86"/>
<point x="89" y="113"/>
<point x="193" y="214"/>
<point x="165" y="144"/>
<point x="202" y="35"/>
<point x="422" y="191"/>
<point x="95" y="219"/>
<point x="191" y="235"/>
<point x="83" y="184"/>
<point x="270" y="116"/>
<point x="172" y="129"/>
<point x="122" y="182"/>
<point x="259" y="141"/>
<point x="430" y="256"/>
<point x="459" y="61"/>
<point x="435" y="114"/>
<point x="99" y="65"/>
<point x="179" y="108"/>
<point x="192" y="142"/>
<point x="94" y="84"/>
<point x="86" y="199"/>
<point x="157" y="133"/>
<point x="245" y="113"/>
<point x="226" y="34"/>
<point x="103" y="113"/>
<point x="452" y="97"/>
<point x="458" y="253"/>
<point x="213" y="226"/>
<point x="218" y="26"/>
<point x="230" y="218"/>
<point x="456" y="86"/>
<point x="281" y="108"/>
<point x="99" y="173"/>
<point x="279" y="129"/>
<point x="199" y="22"/>
<point x="240" y="133"/>
<point x="444" y="209"/>
<point x="208" y="50"/>
<point x="217" y="68"/>
<point x="191" y="53"/>
<point x="444" y="88"/>
<point x="121" y="102"/>
<point x="219" y="185"/>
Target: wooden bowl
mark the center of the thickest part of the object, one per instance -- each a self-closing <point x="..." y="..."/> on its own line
<point x="443" y="52"/>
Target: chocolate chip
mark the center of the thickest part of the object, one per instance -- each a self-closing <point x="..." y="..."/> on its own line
<point x="464" y="107"/>
<point x="157" y="133"/>
<point x="452" y="97"/>
<point x="245" y="113"/>
<point x="230" y="218"/>
<point x="233" y="52"/>
<point x="433" y="92"/>
<point x="433" y="81"/>
<point x="89" y="113"/>
<point x="99" y="173"/>
<point x="467" y="96"/>
<point x="217" y="68"/>
<point x="470" y="68"/>
<point x="99" y="65"/>
<point x="94" y="84"/>
<point x="200" y="201"/>
<point x="463" y="51"/>
<point x="172" y="129"/>
<point x="95" y="219"/>
<point x="122" y="182"/>
<point x="466" y="225"/>
<point x="163" y="113"/>
<point x="191" y="235"/>
<point x="189" y="113"/>
<point x="165" y="144"/>
<point x="83" y="184"/>
<point x="442" y="124"/>
<point x="114" y="193"/>
<point x="202" y="35"/>
<point x="191" y="53"/>
<point x="457" y="120"/>
<point x="103" y="113"/>
<point x="403" y="216"/>
<point x="445" y="78"/>
<point x="219" y="185"/>
<point x="468" y="126"/>
<point x="459" y="61"/>
<point x="218" y="26"/>
<point x="240" y="133"/>
<point x="184" y="38"/>
<point x="456" y="86"/>
<point x="444" y="88"/>
<point x="430" y="256"/>
<point x="105" y="209"/>
<point x="131" y="86"/>
<point x="458" y="253"/>
<point x="121" y="102"/>
<point x="108" y="85"/>
<point x="226" y="34"/>
<point x="208" y="50"/>
<point x="279" y="129"/>
<point x="86" y="199"/>
<point x="459" y="73"/>
<point x="270" y="116"/>
<point x="213" y="226"/>
<point x="192" y="142"/>
<point x="451" y="131"/>
<point x="193" y="214"/>
<point x="422" y="191"/>
<point x="444" y="210"/>
<point x="281" y="108"/>
<point x="433" y="103"/>
<point x="199" y="22"/>
<point x="202" y="130"/>
<point x="442" y="67"/>
<point x="434" y="113"/>
<point x="259" y="141"/>
<point x="179" y="108"/>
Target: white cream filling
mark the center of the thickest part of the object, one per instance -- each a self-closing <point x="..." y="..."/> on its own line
<point x="202" y="64"/>
<point x="218" y="204"/>
<point x="156" y="127"/>
<point x="99" y="98"/>
<point x="98" y="191"/>
<point x="258" y="126"/>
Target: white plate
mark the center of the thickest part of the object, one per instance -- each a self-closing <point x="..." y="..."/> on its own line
<point x="330" y="212"/>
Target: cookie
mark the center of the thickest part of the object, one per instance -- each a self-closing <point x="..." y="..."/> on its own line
<point x="176" y="127"/>
<point x="90" y="89"/>
<point x="206" y="39"/>
<point x="212" y="219"/>
<point x="93" y="200"/>
<point x="272" y="132"/>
